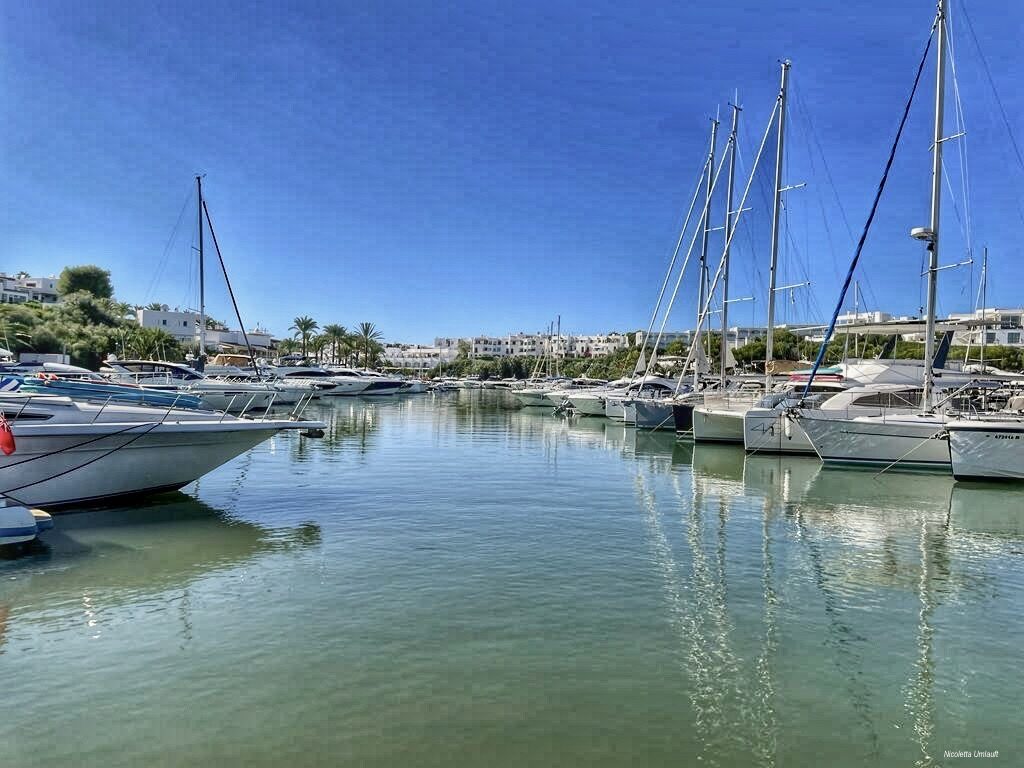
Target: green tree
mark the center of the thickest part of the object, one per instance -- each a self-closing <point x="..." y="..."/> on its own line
<point x="317" y="345"/>
<point x="337" y="336"/>
<point x="304" y="327"/>
<point x="152" y="344"/>
<point x="287" y="346"/>
<point x="677" y="347"/>
<point x="88" y="278"/>
<point x="367" y="338"/>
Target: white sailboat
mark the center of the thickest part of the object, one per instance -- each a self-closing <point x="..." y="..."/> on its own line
<point x="720" y="418"/>
<point x="909" y="440"/>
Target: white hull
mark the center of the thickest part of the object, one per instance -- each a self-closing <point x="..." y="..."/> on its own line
<point x="615" y="409"/>
<point x="986" y="450"/>
<point x="770" y="430"/>
<point x="345" y="387"/>
<point x="557" y="397"/>
<point x="587" y="405"/>
<point x="712" y="425"/>
<point x="533" y="397"/>
<point x="138" y="460"/>
<point x="904" y="441"/>
<point x="71" y="453"/>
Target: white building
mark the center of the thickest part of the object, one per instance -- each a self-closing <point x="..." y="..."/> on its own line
<point x="736" y="336"/>
<point x="536" y="344"/>
<point x="863" y="318"/>
<point x="418" y="356"/>
<point x="999" y="326"/>
<point x="180" y="325"/>
<point x="17" y="289"/>
<point x="224" y="339"/>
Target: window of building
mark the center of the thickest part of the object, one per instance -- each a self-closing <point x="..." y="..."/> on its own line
<point x="1013" y="338"/>
<point x="990" y="337"/>
<point x="164" y="322"/>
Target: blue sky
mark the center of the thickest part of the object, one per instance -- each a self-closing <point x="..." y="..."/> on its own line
<point x="443" y="169"/>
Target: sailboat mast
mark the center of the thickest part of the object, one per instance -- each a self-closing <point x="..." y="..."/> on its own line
<point x="705" y="232"/>
<point x="558" y="344"/>
<point x="202" y="281"/>
<point x="933" y="224"/>
<point x="731" y="149"/>
<point x="984" y="292"/>
<point x="776" y="209"/>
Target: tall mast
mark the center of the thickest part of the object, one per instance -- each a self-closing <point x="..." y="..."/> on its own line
<point x="202" y="285"/>
<point x="558" y="344"/>
<point x="731" y="149"/>
<point x="933" y="224"/>
<point x="856" y="315"/>
<point x="776" y="209"/>
<point x="705" y="231"/>
<point x="984" y="291"/>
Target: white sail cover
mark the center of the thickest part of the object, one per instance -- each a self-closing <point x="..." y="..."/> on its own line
<point x="730" y="361"/>
<point x="700" y="361"/>
<point x="641" y="364"/>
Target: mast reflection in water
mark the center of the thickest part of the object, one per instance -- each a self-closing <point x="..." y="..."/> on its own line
<point x="449" y="580"/>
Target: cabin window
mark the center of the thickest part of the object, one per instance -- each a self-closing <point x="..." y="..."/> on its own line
<point x="907" y="399"/>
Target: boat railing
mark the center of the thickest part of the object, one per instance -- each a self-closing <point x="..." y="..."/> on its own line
<point x="732" y="401"/>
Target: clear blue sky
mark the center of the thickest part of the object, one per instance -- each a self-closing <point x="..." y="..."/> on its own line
<point x="444" y="169"/>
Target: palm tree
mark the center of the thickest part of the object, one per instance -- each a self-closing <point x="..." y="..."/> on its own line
<point x="286" y="346"/>
<point x="366" y="337"/>
<point x="304" y="327"/>
<point x="337" y="335"/>
<point x="317" y="345"/>
<point x="122" y="309"/>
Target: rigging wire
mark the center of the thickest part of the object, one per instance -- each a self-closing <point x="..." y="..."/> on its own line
<point x="162" y="263"/>
<point x="686" y="259"/>
<point x="231" y="293"/>
<point x="728" y="241"/>
<point x="992" y="84"/>
<point x="865" y="279"/>
<point x="672" y="262"/>
<point x="871" y="218"/>
<point x="961" y="144"/>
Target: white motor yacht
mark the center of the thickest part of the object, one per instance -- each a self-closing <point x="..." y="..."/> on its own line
<point x="221" y="395"/>
<point x="74" y="453"/>
<point x="328" y="384"/>
<point x="591" y="402"/>
<point x="289" y="392"/>
<point x="559" y="396"/>
<point x="377" y="384"/>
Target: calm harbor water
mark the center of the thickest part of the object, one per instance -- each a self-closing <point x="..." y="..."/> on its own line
<point x="445" y="580"/>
